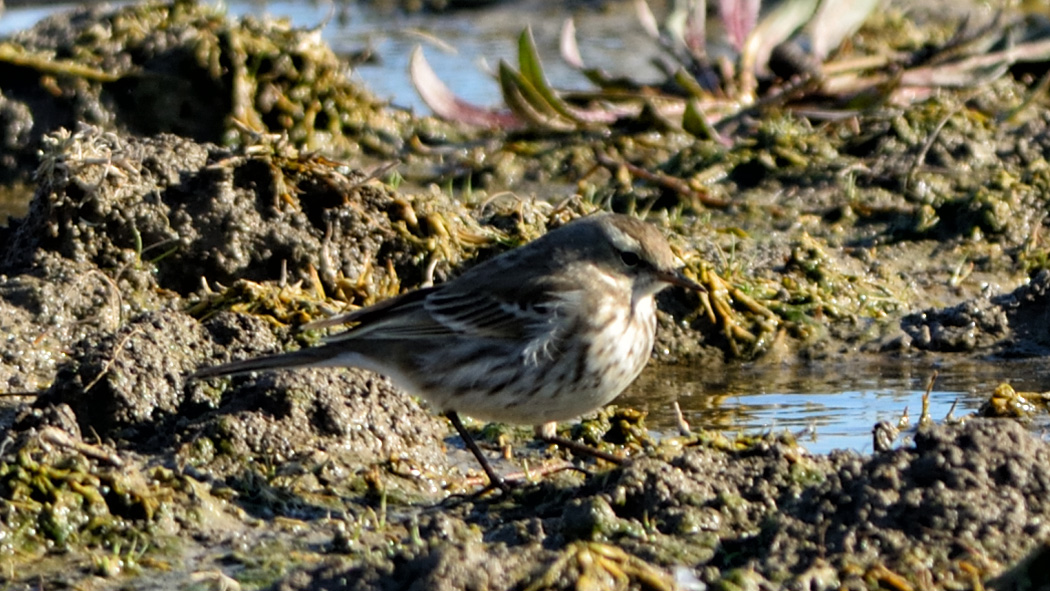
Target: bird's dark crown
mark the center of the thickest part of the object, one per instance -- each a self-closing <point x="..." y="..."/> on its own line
<point x="633" y="240"/>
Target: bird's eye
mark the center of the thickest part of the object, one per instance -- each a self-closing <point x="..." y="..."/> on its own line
<point x="630" y="258"/>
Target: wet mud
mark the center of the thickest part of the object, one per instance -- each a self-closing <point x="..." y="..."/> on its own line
<point x="153" y="247"/>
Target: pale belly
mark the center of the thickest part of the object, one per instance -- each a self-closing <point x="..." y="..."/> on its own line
<point x="559" y="388"/>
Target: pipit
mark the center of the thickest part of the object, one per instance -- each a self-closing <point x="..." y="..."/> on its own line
<point x="542" y="333"/>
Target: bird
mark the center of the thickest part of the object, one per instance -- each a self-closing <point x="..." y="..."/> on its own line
<point x="540" y="334"/>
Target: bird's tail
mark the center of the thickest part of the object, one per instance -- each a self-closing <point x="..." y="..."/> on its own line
<point x="306" y="357"/>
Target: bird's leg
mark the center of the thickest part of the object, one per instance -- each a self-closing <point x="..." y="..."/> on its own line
<point x="495" y="480"/>
<point x="548" y="433"/>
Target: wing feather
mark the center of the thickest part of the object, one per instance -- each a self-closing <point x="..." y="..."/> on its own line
<point x="496" y="300"/>
<point x="491" y="300"/>
<point x="401" y="317"/>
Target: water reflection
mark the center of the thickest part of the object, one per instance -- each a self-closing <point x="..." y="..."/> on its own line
<point x="835" y="405"/>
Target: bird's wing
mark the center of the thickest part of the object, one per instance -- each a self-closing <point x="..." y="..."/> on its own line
<point x="502" y="298"/>
<point x="486" y="311"/>
<point x="400" y="317"/>
<point x="459" y="308"/>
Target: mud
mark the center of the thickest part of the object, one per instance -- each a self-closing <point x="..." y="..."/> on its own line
<point x="148" y="252"/>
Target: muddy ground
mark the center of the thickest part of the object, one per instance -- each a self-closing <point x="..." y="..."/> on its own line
<point x="170" y="230"/>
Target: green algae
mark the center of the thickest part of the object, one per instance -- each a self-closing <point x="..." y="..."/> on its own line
<point x="57" y="501"/>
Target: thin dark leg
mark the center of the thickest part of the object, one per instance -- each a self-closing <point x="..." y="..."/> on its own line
<point x="494" y="479"/>
<point x="579" y="448"/>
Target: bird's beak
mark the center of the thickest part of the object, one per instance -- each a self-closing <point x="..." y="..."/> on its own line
<point x="677" y="278"/>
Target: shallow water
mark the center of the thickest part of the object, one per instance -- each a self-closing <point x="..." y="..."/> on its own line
<point x="464" y="47"/>
<point x="832" y="406"/>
